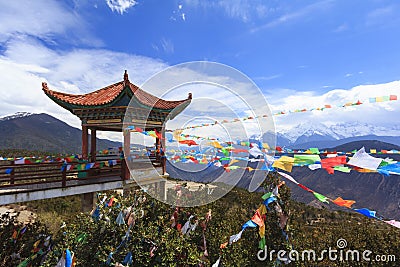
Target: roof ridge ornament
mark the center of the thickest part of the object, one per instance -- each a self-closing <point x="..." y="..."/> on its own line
<point x="44" y="86"/>
<point x="126" y="78"/>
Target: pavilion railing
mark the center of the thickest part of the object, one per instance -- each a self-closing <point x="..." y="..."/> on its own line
<point x="54" y="174"/>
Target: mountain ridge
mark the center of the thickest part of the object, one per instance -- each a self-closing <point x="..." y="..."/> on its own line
<point x="319" y="135"/>
<point x="45" y="133"/>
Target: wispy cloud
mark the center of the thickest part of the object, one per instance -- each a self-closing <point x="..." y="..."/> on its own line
<point x="379" y="15"/>
<point x="302" y="67"/>
<point x="341" y="28"/>
<point x="295" y="15"/>
<point x="167" y="45"/>
<point x="178" y="14"/>
<point x="348" y="75"/>
<point x="267" y="78"/>
<point x="120" y="6"/>
<point x="244" y="10"/>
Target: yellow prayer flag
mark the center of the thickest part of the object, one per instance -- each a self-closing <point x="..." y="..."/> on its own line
<point x="215" y="144"/>
<point x="284" y="163"/>
<point x="233" y="161"/>
<point x="265" y="145"/>
<point x="262" y="209"/>
<point x="262" y="230"/>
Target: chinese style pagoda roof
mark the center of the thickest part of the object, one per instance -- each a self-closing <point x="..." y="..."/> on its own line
<point x="112" y="95"/>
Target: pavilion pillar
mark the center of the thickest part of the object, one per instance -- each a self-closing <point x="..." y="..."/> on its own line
<point x="126" y="174"/>
<point x="164" y="156"/>
<point x="93" y="145"/>
<point x="85" y="142"/>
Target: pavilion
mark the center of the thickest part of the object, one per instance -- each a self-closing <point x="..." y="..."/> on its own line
<point x="107" y="109"/>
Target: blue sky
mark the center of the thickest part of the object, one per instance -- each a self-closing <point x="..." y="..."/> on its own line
<point x="305" y="45"/>
<point x="299" y="53"/>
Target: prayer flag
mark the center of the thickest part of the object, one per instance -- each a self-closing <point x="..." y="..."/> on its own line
<point x="364" y="160"/>
<point x="301" y="160"/>
<point x="320" y="197"/>
<point x="344" y="203"/>
<point x="367" y="212"/>
<point x="290" y="178"/>
<point x="235" y="238"/>
<point x="285" y="163"/>
<point x="249" y="223"/>
<point x="262" y="243"/>
<point x="269" y="200"/>
<point x="394" y="223"/>
<point x="267" y="195"/>
<point x="257" y="218"/>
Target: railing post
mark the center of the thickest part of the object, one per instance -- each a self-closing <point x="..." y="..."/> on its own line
<point x="125" y="174"/>
<point x="64" y="176"/>
<point x="12" y="172"/>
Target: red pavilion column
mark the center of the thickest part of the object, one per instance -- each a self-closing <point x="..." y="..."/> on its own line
<point x="85" y="142"/>
<point x="126" y="175"/>
<point x="93" y="145"/>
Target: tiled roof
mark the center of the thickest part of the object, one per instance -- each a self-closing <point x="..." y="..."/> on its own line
<point x="108" y="94"/>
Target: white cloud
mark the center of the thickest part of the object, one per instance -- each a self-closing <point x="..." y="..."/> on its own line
<point x="348" y="75"/>
<point x="382" y="114"/>
<point x="26" y="64"/>
<point x="43" y="19"/>
<point x="120" y="6"/>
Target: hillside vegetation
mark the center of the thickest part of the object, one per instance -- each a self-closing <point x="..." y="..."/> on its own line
<point x="153" y="242"/>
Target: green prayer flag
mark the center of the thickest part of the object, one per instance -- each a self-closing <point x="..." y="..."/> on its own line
<point x="267" y="195"/>
<point x="24" y="263"/>
<point x="262" y="243"/>
<point x="302" y="160"/>
<point x="225" y="151"/>
<point x="233" y="167"/>
<point x="314" y="150"/>
<point x="320" y="197"/>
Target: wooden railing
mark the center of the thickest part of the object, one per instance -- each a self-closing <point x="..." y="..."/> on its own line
<point x="55" y="174"/>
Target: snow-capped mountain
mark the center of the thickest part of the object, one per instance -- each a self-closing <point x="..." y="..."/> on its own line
<point x="309" y="129"/>
<point x="15" y="116"/>
<point x="323" y="135"/>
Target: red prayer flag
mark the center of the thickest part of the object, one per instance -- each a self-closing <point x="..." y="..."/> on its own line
<point x="257" y="219"/>
<point x="329" y="163"/>
<point x="188" y="142"/>
<point x="393" y="97"/>
<point x="305" y="188"/>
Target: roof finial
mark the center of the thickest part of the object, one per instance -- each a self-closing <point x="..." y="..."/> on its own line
<point x="126" y="76"/>
<point x="44" y="85"/>
<point x="190" y="96"/>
